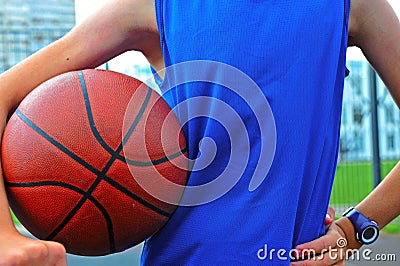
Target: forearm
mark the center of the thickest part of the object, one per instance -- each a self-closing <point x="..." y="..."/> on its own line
<point x="6" y="223"/>
<point x="59" y="57"/>
<point x="381" y="206"/>
<point x="15" y="84"/>
<point x="375" y="28"/>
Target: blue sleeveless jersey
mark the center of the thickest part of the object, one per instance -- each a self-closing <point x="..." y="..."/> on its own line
<point x="294" y="52"/>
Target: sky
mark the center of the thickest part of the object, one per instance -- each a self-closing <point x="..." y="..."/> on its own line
<point x="396" y="5"/>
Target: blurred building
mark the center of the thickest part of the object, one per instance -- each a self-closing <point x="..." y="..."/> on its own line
<point x="356" y="133"/>
<point x="26" y="26"/>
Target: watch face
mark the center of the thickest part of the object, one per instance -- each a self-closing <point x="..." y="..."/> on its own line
<point x="369" y="234"/>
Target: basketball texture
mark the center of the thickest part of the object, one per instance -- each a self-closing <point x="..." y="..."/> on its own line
<point x="66" y="173"/>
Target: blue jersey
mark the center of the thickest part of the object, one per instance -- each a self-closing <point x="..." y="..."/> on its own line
<point x="294" y="53"/>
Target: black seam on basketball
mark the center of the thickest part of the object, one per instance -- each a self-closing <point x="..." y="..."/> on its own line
<point x="156" y="161"/>
<point x="72" y="214"/>
<point x="81" y="161"/>
<point x="102" y="175"/>
<point x="79" y="191"/>
<point x="127" y="192"/>
<point x="130" y="131"/>
<point x="57" y="144"/>
<point x="97" y="134"/>
<point x="135" y="121"/>
<point x="90" y="114"/>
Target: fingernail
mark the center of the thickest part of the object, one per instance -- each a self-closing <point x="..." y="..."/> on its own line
<point x="328" y="218"/>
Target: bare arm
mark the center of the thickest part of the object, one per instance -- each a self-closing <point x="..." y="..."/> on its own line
<point x="119" y="26"/>
<point x="375" y="29"/>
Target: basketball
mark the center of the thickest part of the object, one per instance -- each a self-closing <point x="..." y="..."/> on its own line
<point x="68" y="174"/>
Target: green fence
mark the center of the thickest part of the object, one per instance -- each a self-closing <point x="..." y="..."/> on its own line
<point x="360" y="146"/>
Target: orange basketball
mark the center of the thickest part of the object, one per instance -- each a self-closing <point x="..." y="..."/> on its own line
<point x="66" y="173"/>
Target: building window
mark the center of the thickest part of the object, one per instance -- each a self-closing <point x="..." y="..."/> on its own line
<point x="390" y="145"/>
<point x="359" y="141"/>
<point x="389" y="115"/>
<point x="357" y="115"/>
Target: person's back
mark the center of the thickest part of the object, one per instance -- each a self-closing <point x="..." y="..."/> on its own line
<point x="295" y="53"/>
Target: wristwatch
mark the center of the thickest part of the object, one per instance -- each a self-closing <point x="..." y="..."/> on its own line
<point x="367" y="231"/>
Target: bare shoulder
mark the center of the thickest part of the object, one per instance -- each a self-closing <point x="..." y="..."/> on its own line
<point x="122" y="25"/>
<point x="375" y="28"/>
<point x="129" y="15"/>
<point x="142" y="13"/>
<point x="139" y="24"/>
<point x="367" y="16"/>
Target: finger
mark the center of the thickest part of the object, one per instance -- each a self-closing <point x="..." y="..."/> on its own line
<point x="331" y="211"/>
<point x="327" y="258"/>
<point x="328" y="221"/>
<point x="319" y="245"/>
<point x="330" y="215"/>
<point x="57" y="254"/>
<point x="311" y="262"/>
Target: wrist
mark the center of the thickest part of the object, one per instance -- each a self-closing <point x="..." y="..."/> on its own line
<point x="349" y="233"/>
<point x="367" y="230"/>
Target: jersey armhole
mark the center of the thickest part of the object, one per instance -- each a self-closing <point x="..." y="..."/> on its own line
<point x="346" y="21"/>
<point x="160" y="24"/>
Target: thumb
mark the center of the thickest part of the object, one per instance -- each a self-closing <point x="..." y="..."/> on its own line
<point x="330" y="215"/>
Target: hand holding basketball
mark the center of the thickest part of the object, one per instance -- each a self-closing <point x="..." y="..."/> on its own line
<point x="19" y="250"/>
